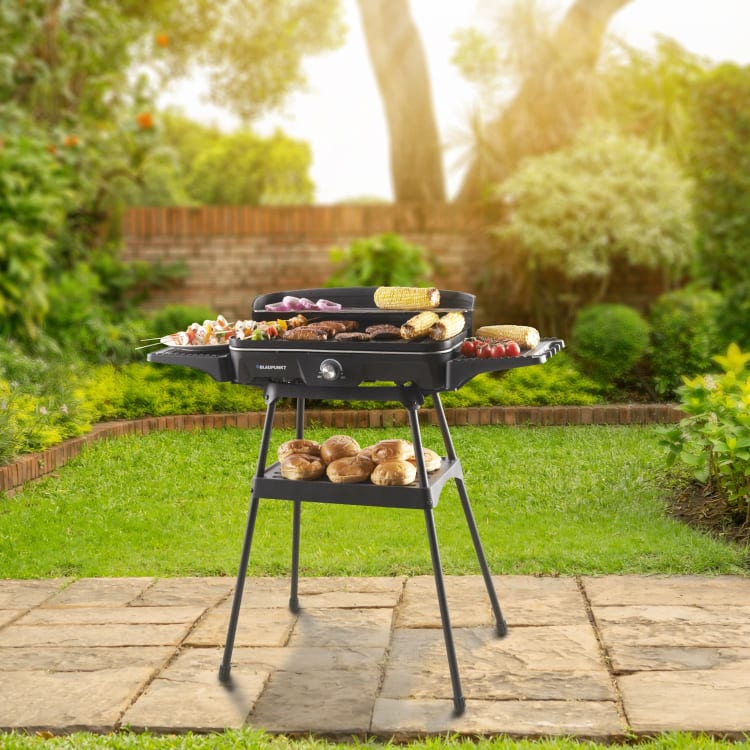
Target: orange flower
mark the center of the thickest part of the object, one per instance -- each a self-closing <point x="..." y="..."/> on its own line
<point x="162" y="40"/>
<point x="52" y="148"/>
<point x="71" y="141"/>
<point x="145" y="120"/>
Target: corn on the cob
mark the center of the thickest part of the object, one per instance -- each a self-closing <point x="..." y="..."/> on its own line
<point x="450" y="325"/>
<point x="525" y="336"/>
<point x="406" y="297"/>
<point x="419" y="325"/>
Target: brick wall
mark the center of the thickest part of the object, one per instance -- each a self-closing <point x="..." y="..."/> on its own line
<point x="236" y="253"/>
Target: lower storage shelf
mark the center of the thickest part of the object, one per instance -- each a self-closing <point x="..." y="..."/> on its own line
<point x="273" y="486"/>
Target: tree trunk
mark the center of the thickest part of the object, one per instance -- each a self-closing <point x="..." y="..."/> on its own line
<point x="398" y="60"/>
<point x="551" y="102"/>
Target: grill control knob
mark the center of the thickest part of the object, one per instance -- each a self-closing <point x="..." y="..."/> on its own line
<point x="330" y="369"/>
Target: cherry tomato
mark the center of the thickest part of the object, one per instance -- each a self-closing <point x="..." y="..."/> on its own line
<point x="512" y="349"/>
<point x="469" y="348"/>
<point x="484" y="352"/>
<point x="497" y="350"/>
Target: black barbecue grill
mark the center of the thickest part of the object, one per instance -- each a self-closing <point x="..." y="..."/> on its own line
<point x="397" y="370"/>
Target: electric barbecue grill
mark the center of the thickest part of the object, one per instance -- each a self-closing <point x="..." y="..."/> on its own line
<point x="396" y="370"/>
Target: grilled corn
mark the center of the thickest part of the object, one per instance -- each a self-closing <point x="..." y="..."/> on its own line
<point x="525" y="336"/>
<point x="419" y="325"/>
<point x="406" y="297"/>
<point x="450" y="325"/>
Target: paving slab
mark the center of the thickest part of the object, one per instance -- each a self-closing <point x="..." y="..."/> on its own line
<point x="24" y="594"/>
<point x="598" y="657"/>
<point x="62" y="702"/>
<point x="713" y="701"/>
<point x="189" y="696"/>
<point x="404" y="720"/>
<point x="95" y="592"/>
<point x="679" y="649"/>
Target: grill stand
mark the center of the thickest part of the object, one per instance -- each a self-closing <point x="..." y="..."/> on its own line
<point x="269" y="484"/>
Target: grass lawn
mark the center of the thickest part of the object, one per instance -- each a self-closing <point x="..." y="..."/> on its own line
<point x="548" y="500"/>
<point x="571" y="500"/>
<point x="255" y="740"/>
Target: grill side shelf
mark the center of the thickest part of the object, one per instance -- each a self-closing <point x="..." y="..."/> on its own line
<point x="216" y="364"/>
<point x="462" y="369"/>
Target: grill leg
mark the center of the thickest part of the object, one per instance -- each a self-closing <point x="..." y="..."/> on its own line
<point x="459" y="702"/>
<point x="502" y="628"/>
<point x="293" y="598"/>
<point x="226" y="664"/>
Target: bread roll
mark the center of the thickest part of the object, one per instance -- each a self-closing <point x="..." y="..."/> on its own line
<point x="350" y="469"/>
<point x="432" y="461"/>
<point x="338" y="446"/>
<point x="302" y="466"/>
<point x="310" y="447"/>
<point x="392" y="450"/>
<point x="393" y="473"/>
<point x="367" y="452"/>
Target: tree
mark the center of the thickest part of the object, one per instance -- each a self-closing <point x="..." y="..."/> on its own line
<point x="77" y="85"/>
<point x="554" y="96"/>
<point x="400" y="69"/>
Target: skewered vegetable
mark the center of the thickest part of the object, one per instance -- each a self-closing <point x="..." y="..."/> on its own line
<point x="525" y="336"/>
<point x="419" y="325"/>
<point x="450" y="325"/>
<point x="406" y="297"/>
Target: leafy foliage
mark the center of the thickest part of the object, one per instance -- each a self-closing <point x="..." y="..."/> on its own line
<point x="609" y="340"/>
<point x="245" y="169"/>
<point x="41" y="401"/>
<point x="714" y="439"/>
<point x="608" y="195"/>
<point x="142" y="390"/>
<point x="720" y="163"/>
<point x="649" y="93"/>
<point x="381" y="260"/>
<point x="685" y="334"/>
<point x="33" y="198"/>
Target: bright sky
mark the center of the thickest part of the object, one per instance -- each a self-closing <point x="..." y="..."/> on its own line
<point x="342" y="118"/>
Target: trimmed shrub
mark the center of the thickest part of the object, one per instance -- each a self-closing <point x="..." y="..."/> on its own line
<point x="609" y="340"/>
<point x="685" y="335"/>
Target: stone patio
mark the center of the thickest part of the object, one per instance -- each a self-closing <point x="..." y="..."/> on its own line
<point x="604" y="658"/>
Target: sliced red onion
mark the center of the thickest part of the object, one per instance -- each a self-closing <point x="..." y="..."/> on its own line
<point x="326" y="304"/>
<point x="307" y="304"/>
<point x="278" y="307"/>
<point x="294" y="303"/>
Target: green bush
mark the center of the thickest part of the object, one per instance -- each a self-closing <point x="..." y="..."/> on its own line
<point x="382" y="260"/>
<point x="685" y="335"/>
<point x="609" y="340"/>
<point x="33" y="195"/>
<point x="714" y="439"/>
<point x="570" y="217"/>
<point x="41" y="402"/>
<point x="144" y="390"/>
<point x="556" y="383"/>
<point x="720" y="163"/>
